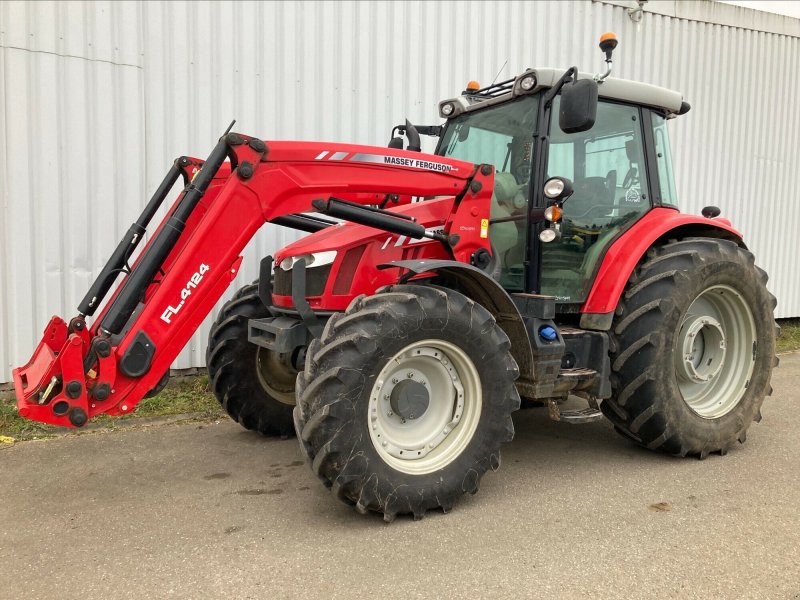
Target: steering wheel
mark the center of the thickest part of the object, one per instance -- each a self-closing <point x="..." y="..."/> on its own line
<point x="631" y="178"/>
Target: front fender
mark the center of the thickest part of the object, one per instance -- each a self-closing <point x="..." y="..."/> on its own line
<point x="625" y="253"/>
<point x="484" y="290"/>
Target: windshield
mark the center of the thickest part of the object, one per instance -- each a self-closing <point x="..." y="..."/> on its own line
<point x="501" y="136"/>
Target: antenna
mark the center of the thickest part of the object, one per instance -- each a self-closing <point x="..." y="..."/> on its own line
<point x="498" y="73"/>
<point x="228" y="130"/>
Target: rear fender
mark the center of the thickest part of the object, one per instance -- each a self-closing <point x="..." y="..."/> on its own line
<point x="624" y="254"/>
<point x="480" y="287"/>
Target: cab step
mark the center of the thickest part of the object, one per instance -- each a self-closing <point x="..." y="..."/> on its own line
<point x="580" y="416"/>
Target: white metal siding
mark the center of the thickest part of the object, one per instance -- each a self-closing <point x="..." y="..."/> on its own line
<point x="98" y="98"/>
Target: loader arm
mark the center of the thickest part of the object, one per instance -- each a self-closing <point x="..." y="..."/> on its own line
<point x="79" y="370"/>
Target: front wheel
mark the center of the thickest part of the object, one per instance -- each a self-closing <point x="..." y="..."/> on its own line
<point x="253" y="384"/>
<point x="406" y="399"/>
<point x="693" y="347"/>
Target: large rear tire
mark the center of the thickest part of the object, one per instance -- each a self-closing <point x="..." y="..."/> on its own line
<point x="253" y="384"/>
<point x="406" y="399"/>
<point x="693" y="347"/>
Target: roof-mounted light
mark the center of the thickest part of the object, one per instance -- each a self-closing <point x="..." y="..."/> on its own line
<point x="472" y="87"/>
<point x="452" y="107"/>
<point x="525" y="83"/>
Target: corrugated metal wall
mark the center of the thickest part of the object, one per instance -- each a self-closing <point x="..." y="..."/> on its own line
<point x="98" y="98"/>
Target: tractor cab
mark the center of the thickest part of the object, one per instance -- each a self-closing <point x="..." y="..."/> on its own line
<point x="616" y="161"/>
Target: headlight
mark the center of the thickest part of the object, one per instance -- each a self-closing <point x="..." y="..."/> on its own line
<point x="527" y="83"/>
<point x="554" y="187"/>
<point x="447" y="109"/>
<point x="318" y="259"/>
<point x="549" y="235"/>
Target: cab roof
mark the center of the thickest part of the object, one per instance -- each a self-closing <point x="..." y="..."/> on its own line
<point x="625" y="90"/>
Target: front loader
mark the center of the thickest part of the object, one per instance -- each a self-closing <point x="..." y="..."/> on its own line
<point x="537" y="254"/>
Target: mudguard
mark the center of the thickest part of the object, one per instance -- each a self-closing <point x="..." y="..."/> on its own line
<point x="625" y="253"/>
<point x="484" y="290"/>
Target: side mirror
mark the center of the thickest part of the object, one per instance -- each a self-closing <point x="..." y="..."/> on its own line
<point x="578" y="106"/>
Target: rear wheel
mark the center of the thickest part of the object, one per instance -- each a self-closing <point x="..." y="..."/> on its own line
<point x="253" y="384"/>
<point x="406" y="399"/>
<point x="693" y="346"/>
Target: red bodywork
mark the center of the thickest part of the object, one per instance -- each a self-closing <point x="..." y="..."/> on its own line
<point x="359" y="252"/>
<point x="285" y="180"/>
<point x="622" y="256"/>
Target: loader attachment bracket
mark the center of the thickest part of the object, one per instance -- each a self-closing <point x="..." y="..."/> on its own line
<point x="51" y="387"/>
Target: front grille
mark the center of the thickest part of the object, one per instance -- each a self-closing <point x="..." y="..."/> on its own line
<point x="282" y="283"/>
<point x="316" y="278"/>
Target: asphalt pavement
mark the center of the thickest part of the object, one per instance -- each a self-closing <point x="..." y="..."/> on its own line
<point x="212" y="511"/>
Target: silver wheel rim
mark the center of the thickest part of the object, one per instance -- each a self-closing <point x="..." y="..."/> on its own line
<point x="276" y="375"/>
<point x="714" y="351"/>
<point x="423" y="443"/>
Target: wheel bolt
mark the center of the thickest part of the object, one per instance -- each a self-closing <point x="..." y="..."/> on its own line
<point x="410" y="375"/>
<point x="394" y="380"/>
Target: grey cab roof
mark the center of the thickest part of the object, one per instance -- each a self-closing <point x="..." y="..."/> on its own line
<point x="622" y="89"/>
<point x="625" y="90"/>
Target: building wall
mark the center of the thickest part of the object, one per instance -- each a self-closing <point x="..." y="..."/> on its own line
<point x="98" y="97"/>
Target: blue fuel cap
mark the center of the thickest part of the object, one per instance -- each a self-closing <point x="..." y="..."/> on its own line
<point x="547" y="333"/>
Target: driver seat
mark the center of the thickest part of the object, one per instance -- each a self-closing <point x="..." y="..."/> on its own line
<point x="588" y="193"/>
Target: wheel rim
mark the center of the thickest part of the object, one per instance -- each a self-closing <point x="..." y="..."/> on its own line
<point x="276" y="375"/>
<point x="714" y="351"/>
<point x="425" y="406"/>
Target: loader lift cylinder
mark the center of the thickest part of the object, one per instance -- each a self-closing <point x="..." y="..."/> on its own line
<point x="127" y="245"/>
<point x="143" y="274"/>
<point x="379" y="219"/>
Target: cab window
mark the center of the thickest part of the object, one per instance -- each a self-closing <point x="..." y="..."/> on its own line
<point x="666" y="179"/>
<point x="606" y="166"/>
<point x="502" y="136"/>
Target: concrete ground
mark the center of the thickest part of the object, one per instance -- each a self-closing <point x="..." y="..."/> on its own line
<point x="212" y="511"/>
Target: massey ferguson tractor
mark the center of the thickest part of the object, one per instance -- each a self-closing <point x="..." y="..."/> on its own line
<point x="538" y="253"/>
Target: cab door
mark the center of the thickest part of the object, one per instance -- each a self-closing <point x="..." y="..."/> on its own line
<point x="606" y="165"/>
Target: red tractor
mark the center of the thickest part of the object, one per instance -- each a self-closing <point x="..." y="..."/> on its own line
<point x="537" y="254"/>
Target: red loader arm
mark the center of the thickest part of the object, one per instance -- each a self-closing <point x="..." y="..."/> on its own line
<point x="78" y="371"/>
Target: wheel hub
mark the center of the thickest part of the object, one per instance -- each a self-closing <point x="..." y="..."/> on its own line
<point x="410" y="399"/>
<point x="714" y="352"/>
<point x="419" y="403"/>
<point x="276" y="374"/>
<point x="703" y="349"/>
